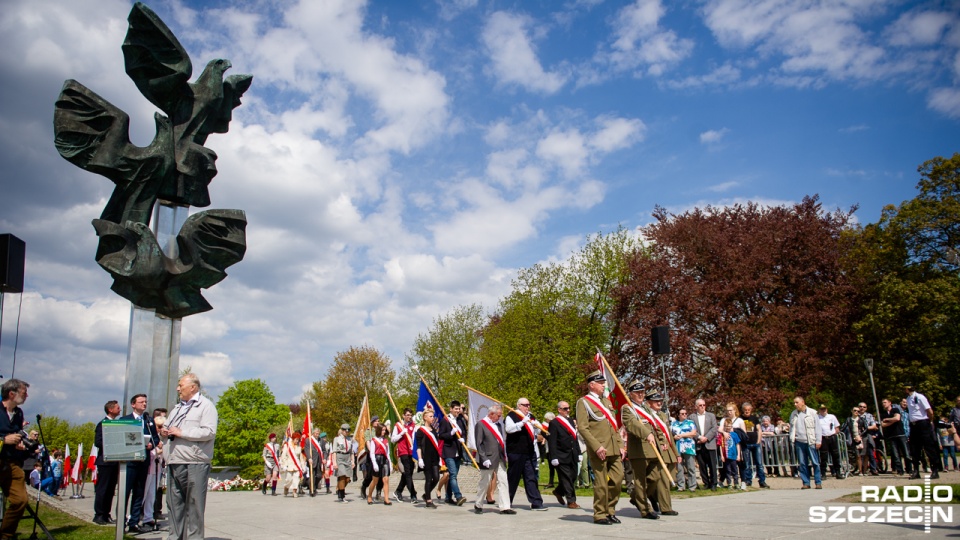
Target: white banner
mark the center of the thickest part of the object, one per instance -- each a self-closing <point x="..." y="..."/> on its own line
<point x="478" y="404"/>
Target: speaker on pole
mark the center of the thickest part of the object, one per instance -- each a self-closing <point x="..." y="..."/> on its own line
<point x="660" y="337"/>
<point x="12" y="254"/>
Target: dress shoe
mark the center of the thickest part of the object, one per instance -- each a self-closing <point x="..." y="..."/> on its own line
<point x="430" y="504"/>
<point x="915" y="476"/>
<point x="508" y="511"/>
<point x="613" y="519"/>
<point x="935" y="475"/>
<point x="133" y="529"/>
<point x="805" y="487"/>
<point x="670" y="513"/>
<point x="651" y="515"/>
<point x="477" y="509"/>
<point x="763" y="485"/>
<point x="110" y="520"/>
<point x="100" y="521"/>
<point x="819" y="486"/>
<point x="573" y="506"/>
<point x="602" y="521"/>
<point x="560" y="499"/>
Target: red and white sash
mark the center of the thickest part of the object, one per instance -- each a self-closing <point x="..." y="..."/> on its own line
<point x="566" y="424"/>
<point x="496" y="433"/>
<point x="528" y="427"/>
<point x="378" y="442"/>
<point x="276" y="460"/>
<point x="432" y="438"/>
<point x="599" y="404"/>
<point x="655" y="420"/>
<point x="316" y="445"/>
<point x="296" y="462"/>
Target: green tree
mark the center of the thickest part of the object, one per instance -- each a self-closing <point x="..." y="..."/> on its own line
<point x="906" y="267"/>
<point x="545" y="333"/>
<point x="338" y="397"/>
<point x="448" y="354"/>
<point x="246" y="411"/>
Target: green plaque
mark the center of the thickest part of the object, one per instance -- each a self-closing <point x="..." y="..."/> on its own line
<point x="124" y="440"/>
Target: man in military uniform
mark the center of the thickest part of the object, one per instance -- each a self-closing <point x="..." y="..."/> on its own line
<point x="658" y="482"/>
<point x="597" y="423"/>
<point x="640" y="448"/>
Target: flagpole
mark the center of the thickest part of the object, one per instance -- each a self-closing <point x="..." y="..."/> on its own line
<point x="397" y="412"/>
<point x="491" y="398"/>
<point x="312" y="450"/>
<point x="462" y="443"/>
<point x="617" y="381"/>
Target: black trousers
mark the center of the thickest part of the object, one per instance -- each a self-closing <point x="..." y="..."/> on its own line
<point x="897" y="446"/>
<point x="406" y="479"/>
<point x="830" y="446"/>
<point x="524" y="466"/>
<point x="707" y="460"/>
<point x="431" y="477"/>
<point x="136" y="486"/>
<point x="566" y="474"/>
<point x="107" y="476"/>
<point x="923" y="439"/>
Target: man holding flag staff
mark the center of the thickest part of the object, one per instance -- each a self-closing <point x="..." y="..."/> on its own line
<point x="453" y="428"/>
<point x="598" y="427"/>
<point x="640" y="448"/>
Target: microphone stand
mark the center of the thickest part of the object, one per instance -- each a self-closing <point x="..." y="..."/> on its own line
<point x="35" y="512"/>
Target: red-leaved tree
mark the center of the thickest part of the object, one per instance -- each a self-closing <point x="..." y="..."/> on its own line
<point x="756" y="299"/>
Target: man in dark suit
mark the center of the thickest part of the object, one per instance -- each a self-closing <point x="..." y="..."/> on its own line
<point x="137" y="470"/>
<point x="564" y="455"/>
<point x="451" y="431"/>
<point x="107" y="472"/>
<point x="491" y="453"/>
<point x="706" y="423"/>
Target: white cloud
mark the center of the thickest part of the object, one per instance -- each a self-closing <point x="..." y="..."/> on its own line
<point x="566" y="149"/>
<point x="513" y="57"/>
<point x="822" y="38"/>
<point x="617" y="133"/>
<point x="721" y="76"/>
<point x="640" y="43"/>
<point x="946" y="101"/>
<point x="920" y="28"/>
<point x="724" y="186"/>
<point x="713" y="136"/>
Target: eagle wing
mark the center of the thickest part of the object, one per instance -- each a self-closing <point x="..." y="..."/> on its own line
<point x="154" y="59"/>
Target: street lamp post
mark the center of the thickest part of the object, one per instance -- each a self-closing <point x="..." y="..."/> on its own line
<point x="868" y="362"/>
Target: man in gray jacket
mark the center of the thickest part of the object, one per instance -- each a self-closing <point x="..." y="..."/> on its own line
<point x="491" y="453"/>
<point x="706" y="423"/>
<point x="806" y="436"/>
<point x="190" y="434"/>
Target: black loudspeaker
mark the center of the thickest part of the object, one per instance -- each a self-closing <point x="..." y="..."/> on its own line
<point x="12" y="254"/>
<point x="660" y="336"/>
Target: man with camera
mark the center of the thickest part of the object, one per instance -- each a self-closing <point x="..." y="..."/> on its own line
<point x="16" y="447"/>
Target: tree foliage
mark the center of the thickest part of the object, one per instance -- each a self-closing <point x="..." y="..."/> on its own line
<point x="338" y="397"/>
<point x="906" y="268"/>
<point x="546" y="331"/>
<point x="246" y="412"/>
<point x="447" y="355"/>
<point x="756" y="299"/>
<point x="57" y="433"/>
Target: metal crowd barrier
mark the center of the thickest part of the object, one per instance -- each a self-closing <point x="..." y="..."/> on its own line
<point x="780" y="454"/>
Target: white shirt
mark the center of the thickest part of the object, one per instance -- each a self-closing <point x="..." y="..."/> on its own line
<point x="917" y="406"/>
<point x="828" y="424"/>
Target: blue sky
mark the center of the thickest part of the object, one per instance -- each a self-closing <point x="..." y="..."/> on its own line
<point x="397" y="159"/>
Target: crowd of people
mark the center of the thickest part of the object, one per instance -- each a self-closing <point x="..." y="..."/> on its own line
<point x="641" y="443"/>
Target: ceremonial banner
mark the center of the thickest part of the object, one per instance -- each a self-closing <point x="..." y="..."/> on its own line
<point x="66" y="467"/>
<point x="478" y="404"/>
<point x="389" y="416"/>
<point x="613" y="389"/>
<point x="363" y="424"/>
<point x="426" y="397"/>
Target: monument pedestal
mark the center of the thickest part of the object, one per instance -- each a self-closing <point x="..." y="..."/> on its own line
<point x="153" y="351"/>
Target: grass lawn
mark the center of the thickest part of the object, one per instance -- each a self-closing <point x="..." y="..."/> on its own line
<point x="62" y="525"/>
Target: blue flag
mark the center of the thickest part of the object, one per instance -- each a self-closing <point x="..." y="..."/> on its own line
<point x="426" y="397"/>
<point x="422" y="400"/>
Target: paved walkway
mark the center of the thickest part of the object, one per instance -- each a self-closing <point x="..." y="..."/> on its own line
<point x="777" y="513"/>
